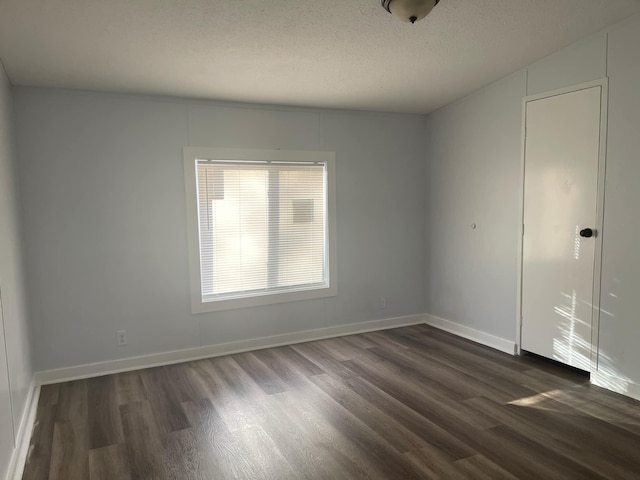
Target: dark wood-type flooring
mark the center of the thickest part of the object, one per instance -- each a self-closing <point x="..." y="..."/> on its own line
<point x="408" y="403"/>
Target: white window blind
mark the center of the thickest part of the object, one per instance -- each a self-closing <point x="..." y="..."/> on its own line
<point x="262" y="227"/>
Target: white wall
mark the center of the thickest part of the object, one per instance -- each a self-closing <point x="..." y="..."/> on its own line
<point x="473" y="151"/>
<point x="104" y="218"/>
<point x="474" y="165"/>
<point x="15" y="333"/>
<point x="581" y="62"/>
<point x="620" y="318"/>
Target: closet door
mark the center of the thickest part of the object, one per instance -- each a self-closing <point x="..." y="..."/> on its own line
<point x="562" y="147"/>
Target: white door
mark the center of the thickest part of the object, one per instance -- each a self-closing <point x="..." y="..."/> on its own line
<point x="562" y="145"/>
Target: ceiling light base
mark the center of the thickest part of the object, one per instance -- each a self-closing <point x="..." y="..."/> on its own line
<point x="409" y="10"/>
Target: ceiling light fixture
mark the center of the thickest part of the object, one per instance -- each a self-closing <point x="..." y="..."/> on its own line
<point x="409" y="10"/>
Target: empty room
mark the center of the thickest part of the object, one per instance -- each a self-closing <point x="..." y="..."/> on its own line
<point x="319" y="239"/>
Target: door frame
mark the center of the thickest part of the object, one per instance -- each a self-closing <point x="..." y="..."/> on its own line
<point x="602" y="158"/>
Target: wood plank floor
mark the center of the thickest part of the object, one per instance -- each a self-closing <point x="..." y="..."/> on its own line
<point x="408" y="403"/>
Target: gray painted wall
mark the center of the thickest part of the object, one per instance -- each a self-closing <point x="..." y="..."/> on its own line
<point x="473" y="152"/>
<point x="581" y="62"/>
<point x="104" y="213"/>
<point x="620" y="318"/>
<point x="14" y="313"/>
<point x="474" y="167"/>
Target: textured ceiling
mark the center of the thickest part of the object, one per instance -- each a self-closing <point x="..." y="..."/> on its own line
<point x="321" y="53"/>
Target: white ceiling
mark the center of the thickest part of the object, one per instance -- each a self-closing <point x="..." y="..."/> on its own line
<point x="320" y="53"/>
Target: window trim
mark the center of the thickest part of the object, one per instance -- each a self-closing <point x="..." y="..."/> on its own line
<point x="191" y="155"/>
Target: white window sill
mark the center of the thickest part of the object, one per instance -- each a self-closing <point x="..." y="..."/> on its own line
<point x="199" y="306"/>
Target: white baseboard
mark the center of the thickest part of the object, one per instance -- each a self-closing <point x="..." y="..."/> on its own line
<point x="616" y="384"/>
<point x="25" y="429"/>
<point x="469" y="333"/>
<point x="178" y="356"/>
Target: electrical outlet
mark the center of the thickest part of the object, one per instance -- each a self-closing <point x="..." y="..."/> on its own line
<point x="382" y="303"/>
<point x="121" y="338"/>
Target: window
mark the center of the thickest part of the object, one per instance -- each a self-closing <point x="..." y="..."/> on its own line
<point x="261" y="226"/>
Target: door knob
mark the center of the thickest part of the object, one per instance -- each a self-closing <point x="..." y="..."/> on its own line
<point x="587" y="233"/>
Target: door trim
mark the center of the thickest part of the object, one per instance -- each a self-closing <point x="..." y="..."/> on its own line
<point x="597" y="267"/>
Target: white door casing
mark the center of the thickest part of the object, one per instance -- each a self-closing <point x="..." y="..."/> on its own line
<point x="563" y="166"/>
